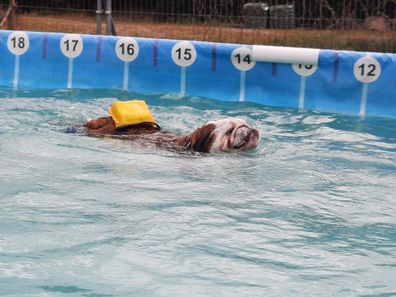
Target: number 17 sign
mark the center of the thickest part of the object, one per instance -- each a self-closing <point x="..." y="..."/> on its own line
<point x="71" y="46"/>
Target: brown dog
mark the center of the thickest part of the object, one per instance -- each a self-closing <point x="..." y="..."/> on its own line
<point x="226" y="135"/>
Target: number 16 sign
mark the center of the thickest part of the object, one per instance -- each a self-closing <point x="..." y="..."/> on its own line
<point x="127" y="50"/>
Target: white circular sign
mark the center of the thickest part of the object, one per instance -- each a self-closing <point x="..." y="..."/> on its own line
<point x="184" y="54"/>
<point x="18" y="43"/>
<point x="241" y="58"/>
<point x="367" y="69"/>
<point x="304" y="70"/>
<point x="71" y="45"/>
<point x="127" y="49"/>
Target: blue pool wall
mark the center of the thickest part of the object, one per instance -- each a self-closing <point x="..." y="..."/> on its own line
<point x="332" y="87"/>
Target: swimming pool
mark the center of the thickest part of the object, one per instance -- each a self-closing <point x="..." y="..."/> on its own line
<point x="339" y="81"/>
<point x="311" y="212"/>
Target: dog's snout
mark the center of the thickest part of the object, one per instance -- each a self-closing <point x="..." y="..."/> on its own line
<point x="255" y="132"/>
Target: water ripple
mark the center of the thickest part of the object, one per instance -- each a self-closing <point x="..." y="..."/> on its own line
<point x="309" y="213"/>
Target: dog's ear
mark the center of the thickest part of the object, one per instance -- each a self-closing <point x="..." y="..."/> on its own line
<point x="201" y="139"/>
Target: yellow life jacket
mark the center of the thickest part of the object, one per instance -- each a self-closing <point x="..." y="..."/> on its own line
<point x="133" y="112"/>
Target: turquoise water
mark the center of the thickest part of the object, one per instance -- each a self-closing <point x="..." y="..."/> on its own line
<point x="311" y="212"/>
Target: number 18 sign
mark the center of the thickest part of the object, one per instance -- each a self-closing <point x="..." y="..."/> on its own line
<point x="18" y="43"/>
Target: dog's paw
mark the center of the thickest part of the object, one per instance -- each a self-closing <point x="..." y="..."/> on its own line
<point x="104" y="125"/>
<point x="97" y="123"/>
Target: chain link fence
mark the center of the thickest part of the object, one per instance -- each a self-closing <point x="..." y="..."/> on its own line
<point x="348" y="24"/>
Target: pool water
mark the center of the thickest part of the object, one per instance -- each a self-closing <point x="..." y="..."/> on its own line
<point x="311" y="212"/>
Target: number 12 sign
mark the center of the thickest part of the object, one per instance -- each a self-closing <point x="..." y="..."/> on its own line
<point x="367" y="69"/>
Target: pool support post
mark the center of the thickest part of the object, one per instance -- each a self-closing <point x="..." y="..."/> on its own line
<point x="99" y="11"/>
<point x="110" y="28"/>
<point x="108" y="17"/>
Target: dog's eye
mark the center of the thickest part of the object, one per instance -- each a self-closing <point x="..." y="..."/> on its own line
<point x="229" y="131"/>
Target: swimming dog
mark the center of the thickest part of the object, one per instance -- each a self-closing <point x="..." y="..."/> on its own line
<point x="132" y="120"/>
<point x="224" y="135"/>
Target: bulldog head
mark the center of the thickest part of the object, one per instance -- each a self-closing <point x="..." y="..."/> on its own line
<point x="225" y="135"/>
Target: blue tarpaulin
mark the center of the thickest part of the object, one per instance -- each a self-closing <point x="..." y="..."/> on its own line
<point x="338" y="81"/>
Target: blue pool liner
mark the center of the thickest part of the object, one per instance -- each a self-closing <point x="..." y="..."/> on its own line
<point x="344" y="81"/>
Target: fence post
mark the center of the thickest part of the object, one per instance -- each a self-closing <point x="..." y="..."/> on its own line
<point x="99" y="11"/>
<point x="12" y="17"/>
<point x="108" y="17"/>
